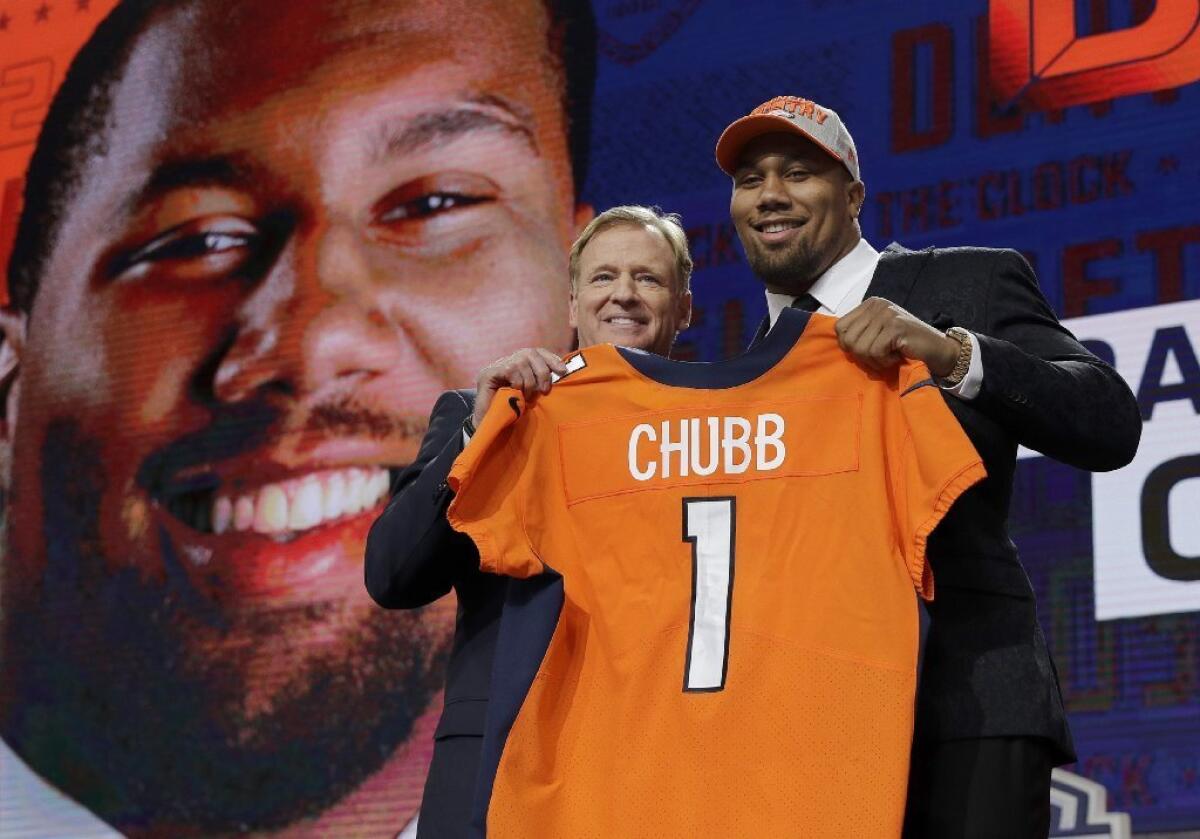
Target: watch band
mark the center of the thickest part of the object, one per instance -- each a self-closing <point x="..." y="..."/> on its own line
<point x="963" y="363"/>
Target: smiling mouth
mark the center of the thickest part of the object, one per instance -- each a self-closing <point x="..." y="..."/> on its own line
<point x="624" y="320"/>
<point x="284" y="509"/>
<point x="777" y="226"/>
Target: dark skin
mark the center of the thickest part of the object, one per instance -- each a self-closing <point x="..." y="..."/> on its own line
<point x="303" y="212"/>
<point x="796" y="211"/>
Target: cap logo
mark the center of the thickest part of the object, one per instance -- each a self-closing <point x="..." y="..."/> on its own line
<point x="793" y="105"/>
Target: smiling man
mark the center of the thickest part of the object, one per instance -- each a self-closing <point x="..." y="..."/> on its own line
<point x="630" y="273"/>
<point x="990" y="722"/>
<point x="254" y="237"/>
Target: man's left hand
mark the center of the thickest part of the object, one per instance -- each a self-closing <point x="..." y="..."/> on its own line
<point x="880" y="334"/>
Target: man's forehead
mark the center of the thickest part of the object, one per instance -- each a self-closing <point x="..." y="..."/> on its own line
<point x="784" y="145"/>
<point x="191" y="93"/>
<point x="199" y="88"/>
<point x="214" y="53"/>
<point x="625" y="237"/>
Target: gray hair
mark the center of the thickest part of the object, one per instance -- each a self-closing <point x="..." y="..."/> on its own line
<point x="670" y="225"/>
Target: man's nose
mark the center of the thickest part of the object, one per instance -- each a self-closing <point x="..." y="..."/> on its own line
<point x="312" y="324"/>
<point x="771" y="194"/>
<point x="624" y="289"/>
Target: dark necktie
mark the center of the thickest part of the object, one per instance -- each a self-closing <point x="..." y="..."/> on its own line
<point x="806" y="302"/>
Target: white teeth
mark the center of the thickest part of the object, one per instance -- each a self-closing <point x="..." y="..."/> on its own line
<point x="356" y="484"/>
<point x="222" y="516"/>
<point x="305" y="508"/>
<point x="776" y="227"/>
<point x="334" y="501"/>
<point x="271" y="509"/>
<point x="243" y="513"/>
<point x="297" y="505"/>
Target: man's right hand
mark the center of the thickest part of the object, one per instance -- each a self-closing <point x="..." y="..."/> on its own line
<point x="527" y="370"/>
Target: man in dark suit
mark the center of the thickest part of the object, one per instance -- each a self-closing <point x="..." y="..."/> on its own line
<point x="990" y="721"/>
<point x="630" y="271"/>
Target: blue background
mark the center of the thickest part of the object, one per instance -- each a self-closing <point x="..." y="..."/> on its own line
<point x="673" y="74"/>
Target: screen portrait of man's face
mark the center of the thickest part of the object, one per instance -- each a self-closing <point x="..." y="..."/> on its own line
<point x="284" y="240"/>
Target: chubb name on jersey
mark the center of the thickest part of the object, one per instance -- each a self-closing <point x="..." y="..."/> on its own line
<point x="703" y="445"/>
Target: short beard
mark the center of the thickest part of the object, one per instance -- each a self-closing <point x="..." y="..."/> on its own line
<point x="791" y="271"/>
<point x="108" y="700"/>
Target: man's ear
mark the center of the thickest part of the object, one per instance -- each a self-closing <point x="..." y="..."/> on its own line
<point x="12" y="333"/>
<point x="856" y="195"/>
<point x="573" y="310"/>
<point x="685" y="311"/>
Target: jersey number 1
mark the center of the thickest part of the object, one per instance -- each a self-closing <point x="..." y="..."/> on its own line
<point x="708" y="523"/>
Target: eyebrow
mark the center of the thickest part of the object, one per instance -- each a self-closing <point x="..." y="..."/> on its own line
<point x="434" y="127"/>
<point x="235" y="171"/>
<point x="612" y="269"/>
<point x="815" y="159"/>
<point x="227" y="171"/>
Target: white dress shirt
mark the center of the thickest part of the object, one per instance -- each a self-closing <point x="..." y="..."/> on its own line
<point x="844" y="286"/>
<point x="29" y="806"/>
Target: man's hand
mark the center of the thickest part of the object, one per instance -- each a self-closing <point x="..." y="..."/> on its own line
<point x="527" y="370"/>
<point x="880" y="335"/>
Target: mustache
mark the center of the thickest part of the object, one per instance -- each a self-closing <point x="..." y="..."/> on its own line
<point x="345" y="417"/>
<point x="245" y="428"/>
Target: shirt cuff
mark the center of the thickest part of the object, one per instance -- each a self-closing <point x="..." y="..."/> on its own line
<point x="466" y="437"/>
<point x="968" y="388"/>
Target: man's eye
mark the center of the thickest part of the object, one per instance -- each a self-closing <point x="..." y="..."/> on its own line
<point x="649" y="279"/>
<point x="602" y="278"/>
<point x="425" y="206"/>
<point x="750" y="181"/>
<point x="797" y="174"/>
<point x="205" y="247"/>
<point x="191" y="247"/>
<point x="432" y="196"/>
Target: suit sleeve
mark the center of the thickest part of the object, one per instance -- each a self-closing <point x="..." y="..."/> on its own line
<point x="931" y="462"/>
<point x="493" y="480"/>
<point x="413" y="555"/>
<point x="1043" y="386"/>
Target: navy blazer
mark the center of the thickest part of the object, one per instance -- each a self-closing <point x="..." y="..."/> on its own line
<point x="414" y="557"/>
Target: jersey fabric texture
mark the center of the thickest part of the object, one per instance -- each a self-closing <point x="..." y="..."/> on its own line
<point x="716" y="634"/>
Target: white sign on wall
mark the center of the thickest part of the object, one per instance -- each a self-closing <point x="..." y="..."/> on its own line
<point x="1146" y="517"/>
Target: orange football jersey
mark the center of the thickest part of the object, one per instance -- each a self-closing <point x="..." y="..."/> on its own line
<point x="721" y="634"/>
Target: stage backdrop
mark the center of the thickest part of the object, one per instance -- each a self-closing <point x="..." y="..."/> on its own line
<point x="187" y="649"/>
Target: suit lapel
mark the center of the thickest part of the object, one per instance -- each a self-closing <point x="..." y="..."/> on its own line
<point x="764" y="327"/>
<point x="896" y="273"/>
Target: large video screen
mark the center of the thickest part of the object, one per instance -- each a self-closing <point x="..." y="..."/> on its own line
<point x="248" y="244"/>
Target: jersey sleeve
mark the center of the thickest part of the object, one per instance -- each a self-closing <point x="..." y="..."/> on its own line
<point x="932" y="463"/>
<point x="491" y="481"/>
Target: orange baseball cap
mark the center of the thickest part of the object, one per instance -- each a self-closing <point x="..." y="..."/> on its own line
<point x="789" y="114"/>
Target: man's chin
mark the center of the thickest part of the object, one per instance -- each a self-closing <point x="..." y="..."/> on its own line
<point x="788" y="270"/>
<point x="154" y="713"/>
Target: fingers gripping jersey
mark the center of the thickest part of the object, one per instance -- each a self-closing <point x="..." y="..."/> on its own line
<point x="717" y="634"/>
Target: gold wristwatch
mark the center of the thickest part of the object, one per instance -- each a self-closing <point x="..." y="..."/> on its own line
<point x="963" y="363"/>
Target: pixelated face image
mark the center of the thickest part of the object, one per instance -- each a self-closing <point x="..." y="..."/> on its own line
<point x="794" y="207"/>
<point x="628" y="291"/>
<point x="282" y="247"/>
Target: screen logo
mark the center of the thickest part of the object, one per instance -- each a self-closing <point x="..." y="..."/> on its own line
<point x="1038" y="57"/>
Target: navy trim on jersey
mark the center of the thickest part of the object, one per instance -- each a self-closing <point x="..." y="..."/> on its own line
<point x="527" y="622"/>
<point x="920" y="384"/>
<point x="717" y="375"/>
